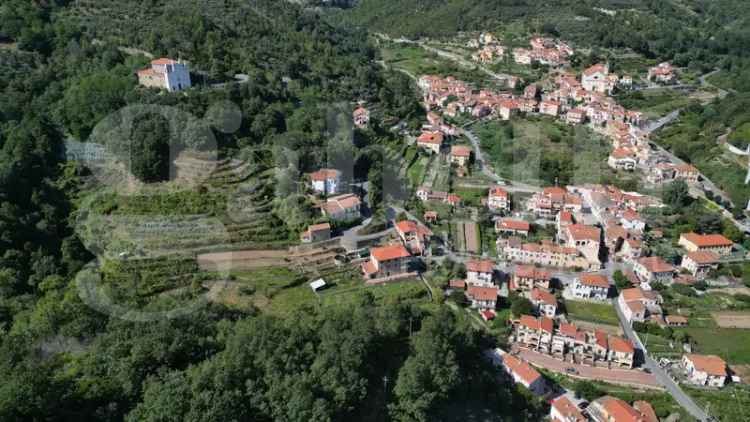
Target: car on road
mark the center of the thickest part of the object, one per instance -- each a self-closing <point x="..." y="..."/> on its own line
<point x="571" y="370"/>
<point x="582" y="405"/>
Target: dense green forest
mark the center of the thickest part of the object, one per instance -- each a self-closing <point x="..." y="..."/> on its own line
<point x="700" y="34"/>
<point x="67" y="65"/>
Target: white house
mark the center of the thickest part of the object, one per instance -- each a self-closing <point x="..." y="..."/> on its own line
<point x="522" y="373"/>
<point x="563" y="410"/>
<point x="326" y="181"/>
<point x="591" y="286"/>
<point x="638" y="305"/>
<point x="653" y="269"/>
<point x="545" y="302"/>
<point x="706" y="370"/>
<point x="700" y="263"/>
<point x="480" y="272"/>
<point x="498" y="199"/>
<point x="172" y="75"/>
<point x="482" y="297"/>
<point x="342" y="208"/>
<point x="596" y="78"/>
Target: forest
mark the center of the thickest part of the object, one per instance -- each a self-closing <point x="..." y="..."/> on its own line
<point x="68" y="65"/>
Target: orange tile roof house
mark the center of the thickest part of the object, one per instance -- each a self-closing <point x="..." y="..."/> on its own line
<point x="361" y="117"/>
<point x="342" y="208"/>
<point x="498" y="199"/>
<point x="591" y="286"/>
<point x="432" y="141"/>
<point x="653" y="269"/>
<point x="460" y="154"/>
<point x="415" y="236"/>
<point x="700" y="263"/>
<point x="639" y="305"/>
<point x="544" y="301"/>
<point x="316" y="233"/>
<point x="611" y="409"/>
<point x="326" y="181"/>
<point x="708" y="370"/>
<point x="563" y="410"/>
<point x="482" y="297"/>
<point x="172" y="75"/>
<point x="386" y="261"/>
<point x="522" y="373"/>
<point x="480" y="271"/>
<point x="512" y="227"/>
<point x="716" y="243"/>
<point x="528" y="277"/>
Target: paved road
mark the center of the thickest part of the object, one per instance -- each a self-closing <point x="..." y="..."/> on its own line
<point x="487" y="170"/>
<point x="630" y="377"/>
<point x="674" y="390"/>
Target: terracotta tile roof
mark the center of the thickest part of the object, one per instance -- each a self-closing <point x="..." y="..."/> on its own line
<point x="368" y="267"/>
<point x="319" y="227"/>
<point x="601" y="339"/>
<point x="360" y="111"/>
<point x="703" y="257"/>
<point x="621" y="345"/>
<point x="435" y="138"/>
<point x="521" y="369"/>
<point x="460" y="151"/>
<point x="323" y="174"/>
<point x="482" y="266"/>
<point x="568" y="330"/>
<point x="510" y="224"/>
<point x="498" y="192"/>
<point x="584" y="232"/>
<point x="707" y="240"/>
<point x="566" y="217"/>
<point x="710" y="364"/>
<point x="676" y="319"/>
<point x="635" y="306"/>
<point x="654" y="264"/>
<point x="482" y="293"/>
<point x="568" y="410"/>
<point x="457" y="284"/>
<point x="148" y="72"/>
<point x="595" y="280"/>
<point x="163" y="61"/>
<point x="408" y="226"/>
<point x="618" y="410"/>
<point x="597" y="68"/>
<point x="646" y="410"/>
<point x="530" y="271"/>
<point x="388" y="253"/>
<point x="638" y="294"/>
<point x="539" y="295"/>
<point x="543" y="323"/>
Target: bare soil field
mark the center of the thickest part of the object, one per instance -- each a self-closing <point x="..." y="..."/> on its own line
<point x="243" y="259"/>
<point x="732" y="319"/>
<point x="472" y="239"/>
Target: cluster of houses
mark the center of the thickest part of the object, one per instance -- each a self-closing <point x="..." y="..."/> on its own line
<point x="546" y="51"/>
<point x="489" y="47"/>
<point x="568" y="342"/>
<point x="396" y="260"/>
<point x="663" y="72"/>
<point x="603" y="409"/>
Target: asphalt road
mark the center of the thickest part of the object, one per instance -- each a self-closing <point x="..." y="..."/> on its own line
<point x="672" y="387"/>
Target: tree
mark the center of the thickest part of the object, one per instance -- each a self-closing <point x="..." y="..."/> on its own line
<point x="676" y="194"/>
<point x="521" y="306"/>
<point x="621" y="281"/>
<point x="149" y="154"/>
<point x="587" y="390"/>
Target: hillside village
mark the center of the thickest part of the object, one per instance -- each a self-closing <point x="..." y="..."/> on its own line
<point x="598" y="248"/>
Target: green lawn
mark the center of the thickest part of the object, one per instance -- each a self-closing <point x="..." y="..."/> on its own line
<point x="417" y="171"/>
<point x="732" y="344"/>
<point x="729" y="404"/>
<point x="471" y="197"/>
<point x="656" y="102"/>
<point x="601" y="313"/>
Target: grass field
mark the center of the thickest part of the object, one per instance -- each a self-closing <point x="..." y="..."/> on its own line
<point x="602" y="313"/>
<point x="732" y="344"/>
<point x="729" y="404"/>
<point x="656" y="102"/>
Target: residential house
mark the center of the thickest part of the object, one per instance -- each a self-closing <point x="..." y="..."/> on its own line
<point x="326" y="181"/>
<point x="522" y="373"/>
<point x="531" y="91"/>
<point x="431" y="141"/>
<point x="460" y="154"/>
<point x="415" y="236"/>
<point x="676" y="321"/>
<point x="591" y="286"/>
<point x="498" y="199"/>
<point x="535" y="333"/>
<point x="632" y="249"/>
<point x="553" y="199"/>
<point x="544" y="302"/>
<point x="529" y="277"/>
<point x="563" y="410"/>
<point x="545" y="253"/>
<point x="430" y="217"/>
<point x="512" y="227"/>
<point x="596" y="78"/>
<point x="631" y="220"/>
<point x="715" y="243"/>
<point x="387" y="261"/>
<point x="687" y="173"/>
<point x="575" y="116"/>
<point x="653" y="269"/>
<point x="707" y="370"/>
<point x="550" y="108"/>
<point x="663" y="72"/>
<point x="622" y="159"/>
<point x="361" y="117"/>
<point x="640" y="305"/>
<point x="480" y="272"/>
<point x="482" y="297"/>
<point x="700" y="263"/>
<point x="586" y="239"/>
<point x="342" y="208"/>
<point x="316" y="233"/>
<point x="620" y="351"/>
<point x="164" y="73"/>
<point x="611" y="409"/>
